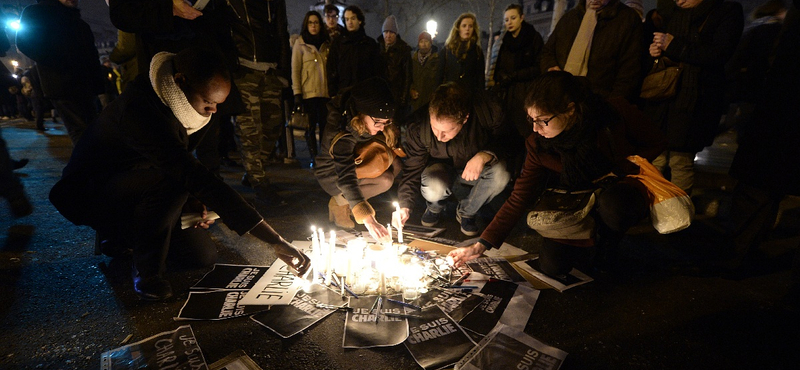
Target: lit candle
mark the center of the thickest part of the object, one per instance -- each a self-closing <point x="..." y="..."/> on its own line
<point x="399" y="224"/>
<point x="314" y="254"/>
<point x="389" y="229"/>
<point x="331" y="247"/>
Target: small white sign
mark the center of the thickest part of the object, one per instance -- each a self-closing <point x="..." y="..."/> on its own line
<point x="277" y="287"/>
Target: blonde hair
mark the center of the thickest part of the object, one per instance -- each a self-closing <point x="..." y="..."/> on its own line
<point x="390" y="132"/>
<point x="453" y="40"/>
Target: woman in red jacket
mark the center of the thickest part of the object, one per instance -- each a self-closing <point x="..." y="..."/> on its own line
<point x="580" y="142"/>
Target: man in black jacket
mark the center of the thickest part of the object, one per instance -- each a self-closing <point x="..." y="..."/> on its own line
<point x="458" y="144"/>
<point x="62" y="44"/>
<point x="133" y="173"/>
<point x="397" y="57"/>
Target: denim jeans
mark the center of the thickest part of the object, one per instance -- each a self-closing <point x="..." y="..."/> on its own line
<point x="440" y="180"/>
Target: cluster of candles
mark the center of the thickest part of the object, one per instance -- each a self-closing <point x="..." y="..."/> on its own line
<point x="365" y="268"/>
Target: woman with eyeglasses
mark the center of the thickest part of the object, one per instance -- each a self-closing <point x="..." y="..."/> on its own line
<point x="580" y="142"/>
<point x="356" y="160"/>
<point x="309" y="80"/>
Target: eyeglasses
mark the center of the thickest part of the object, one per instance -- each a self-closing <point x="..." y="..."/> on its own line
<point x="381" y="122"/>
<point x="541" y="122"/>
<point x="315" y="23"/>
<point x="334" y="16"/>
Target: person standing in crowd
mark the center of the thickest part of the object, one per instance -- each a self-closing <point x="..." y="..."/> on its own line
<point x="133" y="174"/>
<point x="62" y="44"/>
<point x="332" y="21"/>
<point x="580" y="141"/>
<point x="359" y="117"/>
<point x="599" y="39"/>
<point x="261" y="36"/>
<point x="354" y="56"/>
<point x="513" y="64"/>
<point x="765" y="163"/>
<point x="424" y="66"/>
<point x="702" y="35"/>
<point x="397" y="57"/>
<point x="38" y="102"/>
<point x="461" y="60"/>
<point x="457" y="146"/>
<point x="10" y="186"/>
<point x="309" y="78"/>
<point x="124" y="55"/>
<point x="110" y="77"/>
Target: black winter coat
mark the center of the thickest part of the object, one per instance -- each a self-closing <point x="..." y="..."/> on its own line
<point x="468" y="71"/>
<point x="62" y="45"/>
<point x="397" y="59"/>
<point x="485" y="130"/>
<point x="616" y="51"/>
<point x="353" y="57"/>
<point x="260" y="32"/>
<point x="691" y="117"/>
<point x="138" y="131"/>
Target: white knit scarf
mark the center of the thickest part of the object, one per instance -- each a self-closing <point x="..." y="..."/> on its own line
<point x="163" y="82"/>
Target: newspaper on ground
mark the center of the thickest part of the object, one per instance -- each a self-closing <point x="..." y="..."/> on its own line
<point x="571" y="280"/>
<point x="175" y="349"/>
<point x="504" y="302"/>
<point x="216" y="305"/>
<point x="509" y="348"/>
<point x="306" y="309"/>
<point x="231" y="277"/>
<point x="374" y="321"/>
<point x="235" y="361"/>
<point x="436" y="340"/>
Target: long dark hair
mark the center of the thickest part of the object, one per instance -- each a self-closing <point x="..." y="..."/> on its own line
<point x="319" y="38"/>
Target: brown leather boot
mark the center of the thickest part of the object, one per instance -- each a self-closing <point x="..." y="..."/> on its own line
<point x="340" y="215"/>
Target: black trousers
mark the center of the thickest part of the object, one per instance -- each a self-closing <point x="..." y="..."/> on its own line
<point x="317" y="111"/>
<point x="9" y="183"/>
<point x="141" y="209"/>
<point x="618" y="207"/>
<point x="78" y="113"/>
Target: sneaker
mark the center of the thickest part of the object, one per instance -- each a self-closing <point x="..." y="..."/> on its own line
<point x="430" y="218"/>
<point x="153" y="288"/>
<point x="468" y="225"/>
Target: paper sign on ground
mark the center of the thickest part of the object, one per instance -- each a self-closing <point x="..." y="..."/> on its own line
<point x="291" y="319"/>
<point x="235" y="361"/>
<point x="362" y="330"/>
<point x="498" y="268"/>
<point x="231" y="277"/>
<point x="277" y="287"/>
<point x="175" y="349"/>
<point x="436" y="340"/>
<point x="216" y="305"/>
<point x="509" y="348"/>
<point x="504" y="302"/>
<point x="453" y="302"/>
<point x="571" y="280"/>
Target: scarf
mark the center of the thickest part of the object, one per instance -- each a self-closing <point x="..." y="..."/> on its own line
<point x="163" y="82"/>
<point x="578" y="59"/>
<point x="316" y="40"/>
<point x="580" y="155"/>
<point x="422" y="58"/>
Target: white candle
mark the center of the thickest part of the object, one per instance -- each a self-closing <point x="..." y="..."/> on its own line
<point x="314" y="254"/>
<point x="399" y="224"/>
<point x="331" y="247"/>
<point x="389" y="229"/>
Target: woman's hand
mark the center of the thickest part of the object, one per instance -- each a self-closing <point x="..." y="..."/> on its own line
<point x="464" y="254"/>
<point x="655" y="52"/>
<point x="297" y="260"/>
<point x="414" y="94"/>
<point x="377" y="230"/>
<point x="399" y="218"/>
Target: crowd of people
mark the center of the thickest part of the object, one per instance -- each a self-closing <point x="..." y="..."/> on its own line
<point x="562" y="111"/>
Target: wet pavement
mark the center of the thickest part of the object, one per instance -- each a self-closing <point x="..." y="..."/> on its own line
<point x="62" y="306"/>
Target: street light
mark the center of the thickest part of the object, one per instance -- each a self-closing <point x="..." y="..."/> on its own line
<point x="430" y="27"/>
<point x="14" y="24"/>
<point x="15" y="63"/>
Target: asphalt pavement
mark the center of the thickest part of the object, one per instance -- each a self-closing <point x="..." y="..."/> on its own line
<point x="62" y="306"/>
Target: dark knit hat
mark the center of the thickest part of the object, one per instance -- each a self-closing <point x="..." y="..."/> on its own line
<point x="425" y="35"/>
<point x="373" y="98"/>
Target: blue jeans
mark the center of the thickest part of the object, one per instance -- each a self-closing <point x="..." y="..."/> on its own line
<point x="440" y="180"/>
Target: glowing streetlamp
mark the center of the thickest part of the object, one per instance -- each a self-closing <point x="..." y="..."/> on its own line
<point x="430" y="27"/>
<point x="14" y="24"/>
<point x="15" y="63"/>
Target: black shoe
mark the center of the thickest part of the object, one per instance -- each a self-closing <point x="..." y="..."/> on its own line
<point x="110" y="248"/>
<point x="20" y="206"/>
<point x="269" y="196"/>
<point x="429" y="218"/>
<point x="153" y="288"/>
<point x="17" y="164"/>
<point x="468" y="225"/>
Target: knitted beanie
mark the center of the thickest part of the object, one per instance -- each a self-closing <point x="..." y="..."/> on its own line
<point x="390" y="24"/>
<point x="424" y="35"/>
<point x="373" y="98"/>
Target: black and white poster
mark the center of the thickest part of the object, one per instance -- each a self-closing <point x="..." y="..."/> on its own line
<point x="435" y="340"/>
<point x="231" y="277"/>
<point x="216" y="305"/>
<point x="301" y="313"/>
<point x="505" y="302"/>
<point x="454" y="302"/>
<point x="364" y="328"/>
<point x="497" y="268"/>
<point x="509" y="348"/>
<point x="278" y="286"/>
<point x="574" y="278"/>
<point x="175" y="349"/>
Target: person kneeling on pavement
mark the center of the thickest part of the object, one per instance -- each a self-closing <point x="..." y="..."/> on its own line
<point x="357" y="158"/>
<point x="133" y="173"/>
<point x="580" y="142"/>
<point x="456" y="145"/>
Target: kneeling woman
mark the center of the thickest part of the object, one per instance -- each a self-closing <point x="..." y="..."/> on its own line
<point x="580" y="142"/>
<point x="356" y="160"/>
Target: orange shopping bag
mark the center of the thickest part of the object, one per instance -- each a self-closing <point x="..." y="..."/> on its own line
<point x="671" y="209"/>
